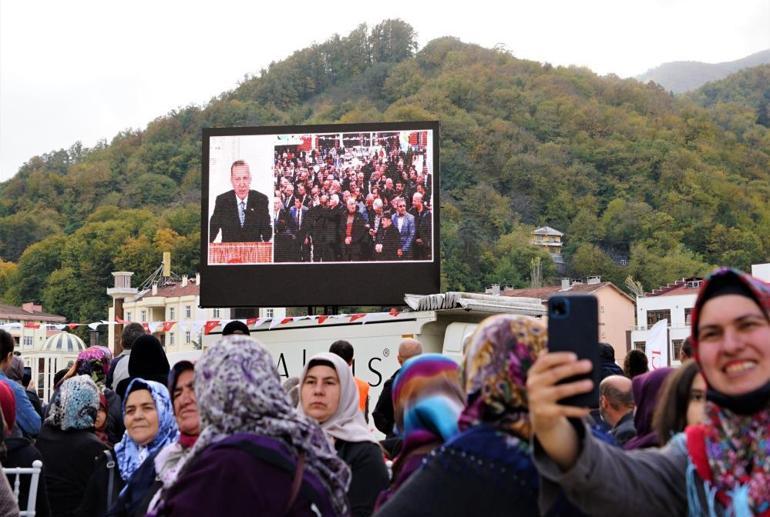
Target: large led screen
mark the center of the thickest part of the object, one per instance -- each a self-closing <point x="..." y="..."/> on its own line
<point x="319" y="215"/>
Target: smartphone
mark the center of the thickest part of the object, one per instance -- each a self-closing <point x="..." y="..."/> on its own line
<point x="573" y="326"/>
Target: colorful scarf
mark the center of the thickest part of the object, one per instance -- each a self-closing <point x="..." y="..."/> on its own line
<point x="732" y="451"/>
<point x="427" y="400"/>
<point x="502" y="350"/>
<point x="239" y="391"/>
<point x="130" y="454"/>
<point x="74" y="404"/>
<point x="95" y="362"/>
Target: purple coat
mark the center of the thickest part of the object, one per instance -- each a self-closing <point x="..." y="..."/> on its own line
<point x="244" y="474"/>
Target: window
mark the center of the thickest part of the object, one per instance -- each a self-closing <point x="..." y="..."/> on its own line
<point x="144" y="315"/>
<point x="28" y="341"/>
<point x="171" y="340"/>
<point x="188" y="312"/>
<point x="640" y="345"/>
<point x="655" y="316"/>
<point x="688" y="317"/>
<point x="677" y="345"/>
<point x="128" y="316"/>
<point x="268" y="313"/>
<point x="187" y="337"/>
<point x="171" y="314"/>
<point x="217" y="313"/>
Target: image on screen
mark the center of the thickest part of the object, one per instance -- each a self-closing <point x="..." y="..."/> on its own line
<point x="314" y="198"/>
<point x="326" y="205"/>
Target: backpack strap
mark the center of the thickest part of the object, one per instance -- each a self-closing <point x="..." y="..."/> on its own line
<point x="110" y="477"/>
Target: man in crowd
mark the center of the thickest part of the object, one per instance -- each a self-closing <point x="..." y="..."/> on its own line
<point x="242" y="214"/>
<point x="345" y="350"/>
<point x="119" y="365"/>
<point x="404" y="223"/>
<point x="383" y="416"/>
<point x="423" y="234"/>
<point x="298" y="226"/>
<point x="616" y="405"/>
<point x="353" y="232"/>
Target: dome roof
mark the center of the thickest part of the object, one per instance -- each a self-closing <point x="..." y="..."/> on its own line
<point x="64" y="342"/>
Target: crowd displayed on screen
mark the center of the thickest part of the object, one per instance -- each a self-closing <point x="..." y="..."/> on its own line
<point x="355" y="203"/>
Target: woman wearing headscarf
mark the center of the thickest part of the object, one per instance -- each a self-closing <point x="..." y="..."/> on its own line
<point x="682" y="402"/>
<point x="486" y="469"/>
<point x="427" y="401"/>
<point x="150" y="425"/>
<point x="69" y="446"/>
<point x="181" y="387"/>
<point x="646" y="388"/>
<point x="720" y="467"/>
<point x="328" y="394"/>
<point x="255" y="455"/>
<point x="95" y="362"/>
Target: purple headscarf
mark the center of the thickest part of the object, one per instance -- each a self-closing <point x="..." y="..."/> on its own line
<point x="646" y="388"/>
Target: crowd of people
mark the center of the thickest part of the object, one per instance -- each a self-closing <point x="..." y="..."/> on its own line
<point x="355" y="204"/>
<point x="489" y="436"/>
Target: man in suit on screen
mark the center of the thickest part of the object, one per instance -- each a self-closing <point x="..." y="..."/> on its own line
<point x="241" y="214"/>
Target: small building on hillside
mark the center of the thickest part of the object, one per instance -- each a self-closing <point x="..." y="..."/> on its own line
<point x="674" y="303"/>
<point x="616" y="308"/>
<point x="549" y="239"/>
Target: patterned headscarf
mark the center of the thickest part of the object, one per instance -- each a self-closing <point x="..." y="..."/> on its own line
<point x="347" y="423"/>
<point x="495" y="373"/>
<point x="427" y="399"/>
<point x="239" y="391"/>
<point x="130" y="454"/>
<point x="732" y="450"/>
<point x="95" y="362"/>
<point x="74" y="404"/>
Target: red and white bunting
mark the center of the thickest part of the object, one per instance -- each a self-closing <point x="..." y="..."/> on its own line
<point x="31" y="325"/>
<point x="354" y="317"/>
<point x="168" y="325"/>
<point x="209" y="326"/>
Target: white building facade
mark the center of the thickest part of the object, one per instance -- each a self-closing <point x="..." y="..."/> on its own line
<point x="674" y="303"/>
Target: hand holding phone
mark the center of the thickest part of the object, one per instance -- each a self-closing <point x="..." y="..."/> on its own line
<point x="573" y="326"/>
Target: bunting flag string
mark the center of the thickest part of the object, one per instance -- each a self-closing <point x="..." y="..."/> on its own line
<point x="208" y="326"/>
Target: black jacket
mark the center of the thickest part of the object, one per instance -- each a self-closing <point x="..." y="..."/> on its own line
<point x="369" y="476"/>
<point x="384" y="420"/>
<point x="256" y="225"/>
<point x="69" y="459"/>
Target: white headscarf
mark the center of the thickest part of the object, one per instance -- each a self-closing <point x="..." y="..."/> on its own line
<point x="347" y="423"/>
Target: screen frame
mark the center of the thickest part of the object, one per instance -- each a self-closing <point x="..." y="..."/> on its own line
<point x="325" y="284"/>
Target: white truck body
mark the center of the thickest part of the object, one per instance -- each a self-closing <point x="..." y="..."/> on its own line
<point x="377" y="337"/>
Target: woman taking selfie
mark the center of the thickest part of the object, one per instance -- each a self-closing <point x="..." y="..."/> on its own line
<point x="719" y="467"/>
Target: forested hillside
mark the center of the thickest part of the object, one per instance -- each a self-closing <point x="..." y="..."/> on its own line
<point x="642" y="183"/>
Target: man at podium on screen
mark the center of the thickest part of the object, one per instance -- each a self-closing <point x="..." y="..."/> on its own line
<point x="242" y="213"/>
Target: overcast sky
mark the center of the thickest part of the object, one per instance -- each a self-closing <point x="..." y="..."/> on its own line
<point x="85" y="70"/>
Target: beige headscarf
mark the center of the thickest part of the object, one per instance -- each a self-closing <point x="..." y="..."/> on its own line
<point x="347" y="423"/>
